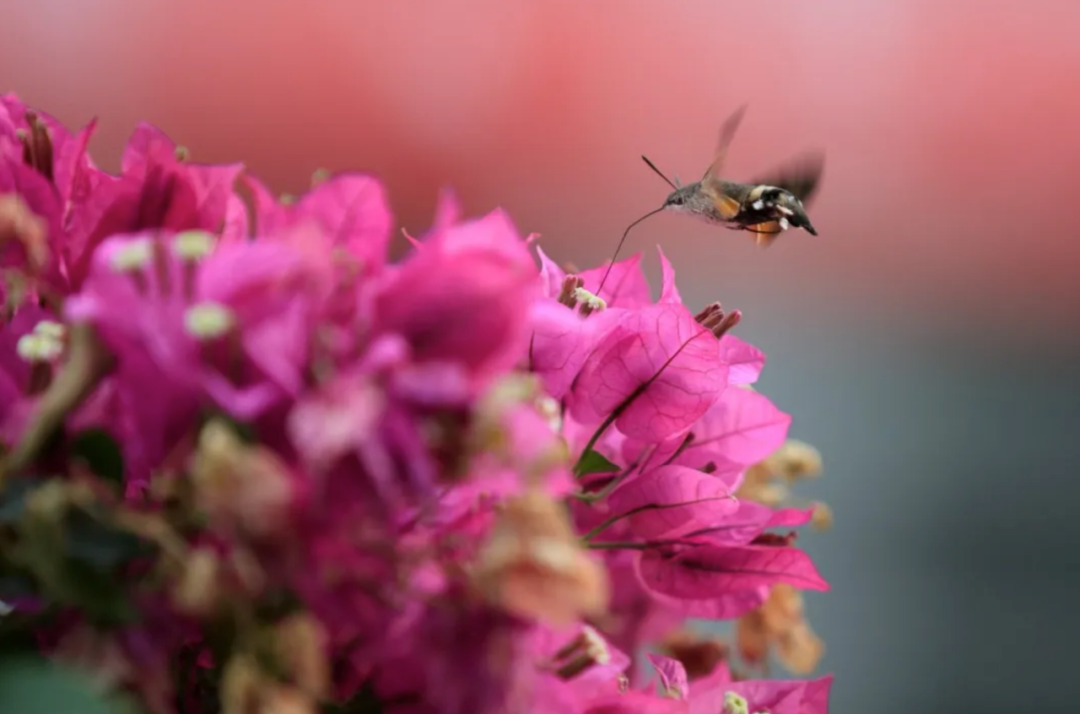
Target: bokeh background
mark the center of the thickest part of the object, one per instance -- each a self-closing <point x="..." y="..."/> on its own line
<point x="927" y="341"/>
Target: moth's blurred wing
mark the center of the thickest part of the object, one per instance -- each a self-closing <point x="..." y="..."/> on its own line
<point x="801" y="176"/>
<point x="727" y="133"/>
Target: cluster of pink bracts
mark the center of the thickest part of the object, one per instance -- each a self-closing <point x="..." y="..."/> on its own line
<point x="452" y="484"/>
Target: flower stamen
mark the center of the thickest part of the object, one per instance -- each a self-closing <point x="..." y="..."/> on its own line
<point x="735" y="704"/>
<point x="37" y="347"/>
<point x="132" y="257"/>
<point x="208" y="320"/>
<point x="48" y="328"/>
<point x="570" y="284"/>
<point x="192" y="245"/>
<point x="589" y="303"/>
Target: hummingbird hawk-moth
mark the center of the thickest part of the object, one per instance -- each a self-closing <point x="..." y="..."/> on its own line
<point x="765" y="207"/>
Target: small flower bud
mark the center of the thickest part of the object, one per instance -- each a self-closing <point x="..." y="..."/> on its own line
<point x="320" y="176"/>
<point x="570" y="285"/>
<point x="715" y="320"/>
<point x="730" y="320"/>
<point x="710" y="315"/>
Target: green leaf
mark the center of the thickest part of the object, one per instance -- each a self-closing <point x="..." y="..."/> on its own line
<point x="33" y="685"/>
<point x="77" y="566"/>
<point x="88" y="540"/>
<point x="102" y="596"/>
<point x="592" y="462"/>
<point x="101" y="454"/>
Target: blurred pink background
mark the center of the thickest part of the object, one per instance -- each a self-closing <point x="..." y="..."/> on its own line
<point x="952" y="158"/>
<point x="926" y="341"/>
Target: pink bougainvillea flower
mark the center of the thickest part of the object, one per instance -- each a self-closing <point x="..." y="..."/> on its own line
<point x="60" y="160"/>
<point x="463" y="658"/>
<point x="741" y="428"/>
<point x="407" y="425"/>
<point x="351" y="209"/>
<point x="670" y="501"/>
<point x="157" y="189"/>
<point x="486" y="484"/>
<point x="465" y="297"/>
<point x="653" y="376"/>
<point x="359" y="422"/>
<point x="191" y="311"/>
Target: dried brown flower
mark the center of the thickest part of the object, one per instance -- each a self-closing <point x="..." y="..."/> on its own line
<point x="779" y="627"/>
<point x="534" y="565"/>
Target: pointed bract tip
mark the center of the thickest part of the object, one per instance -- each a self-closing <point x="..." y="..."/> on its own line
<point x="416" y="243"/>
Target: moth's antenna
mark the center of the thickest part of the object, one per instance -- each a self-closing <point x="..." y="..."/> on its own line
<point x="623" y="240"/>
<point x="660" y="173"/>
